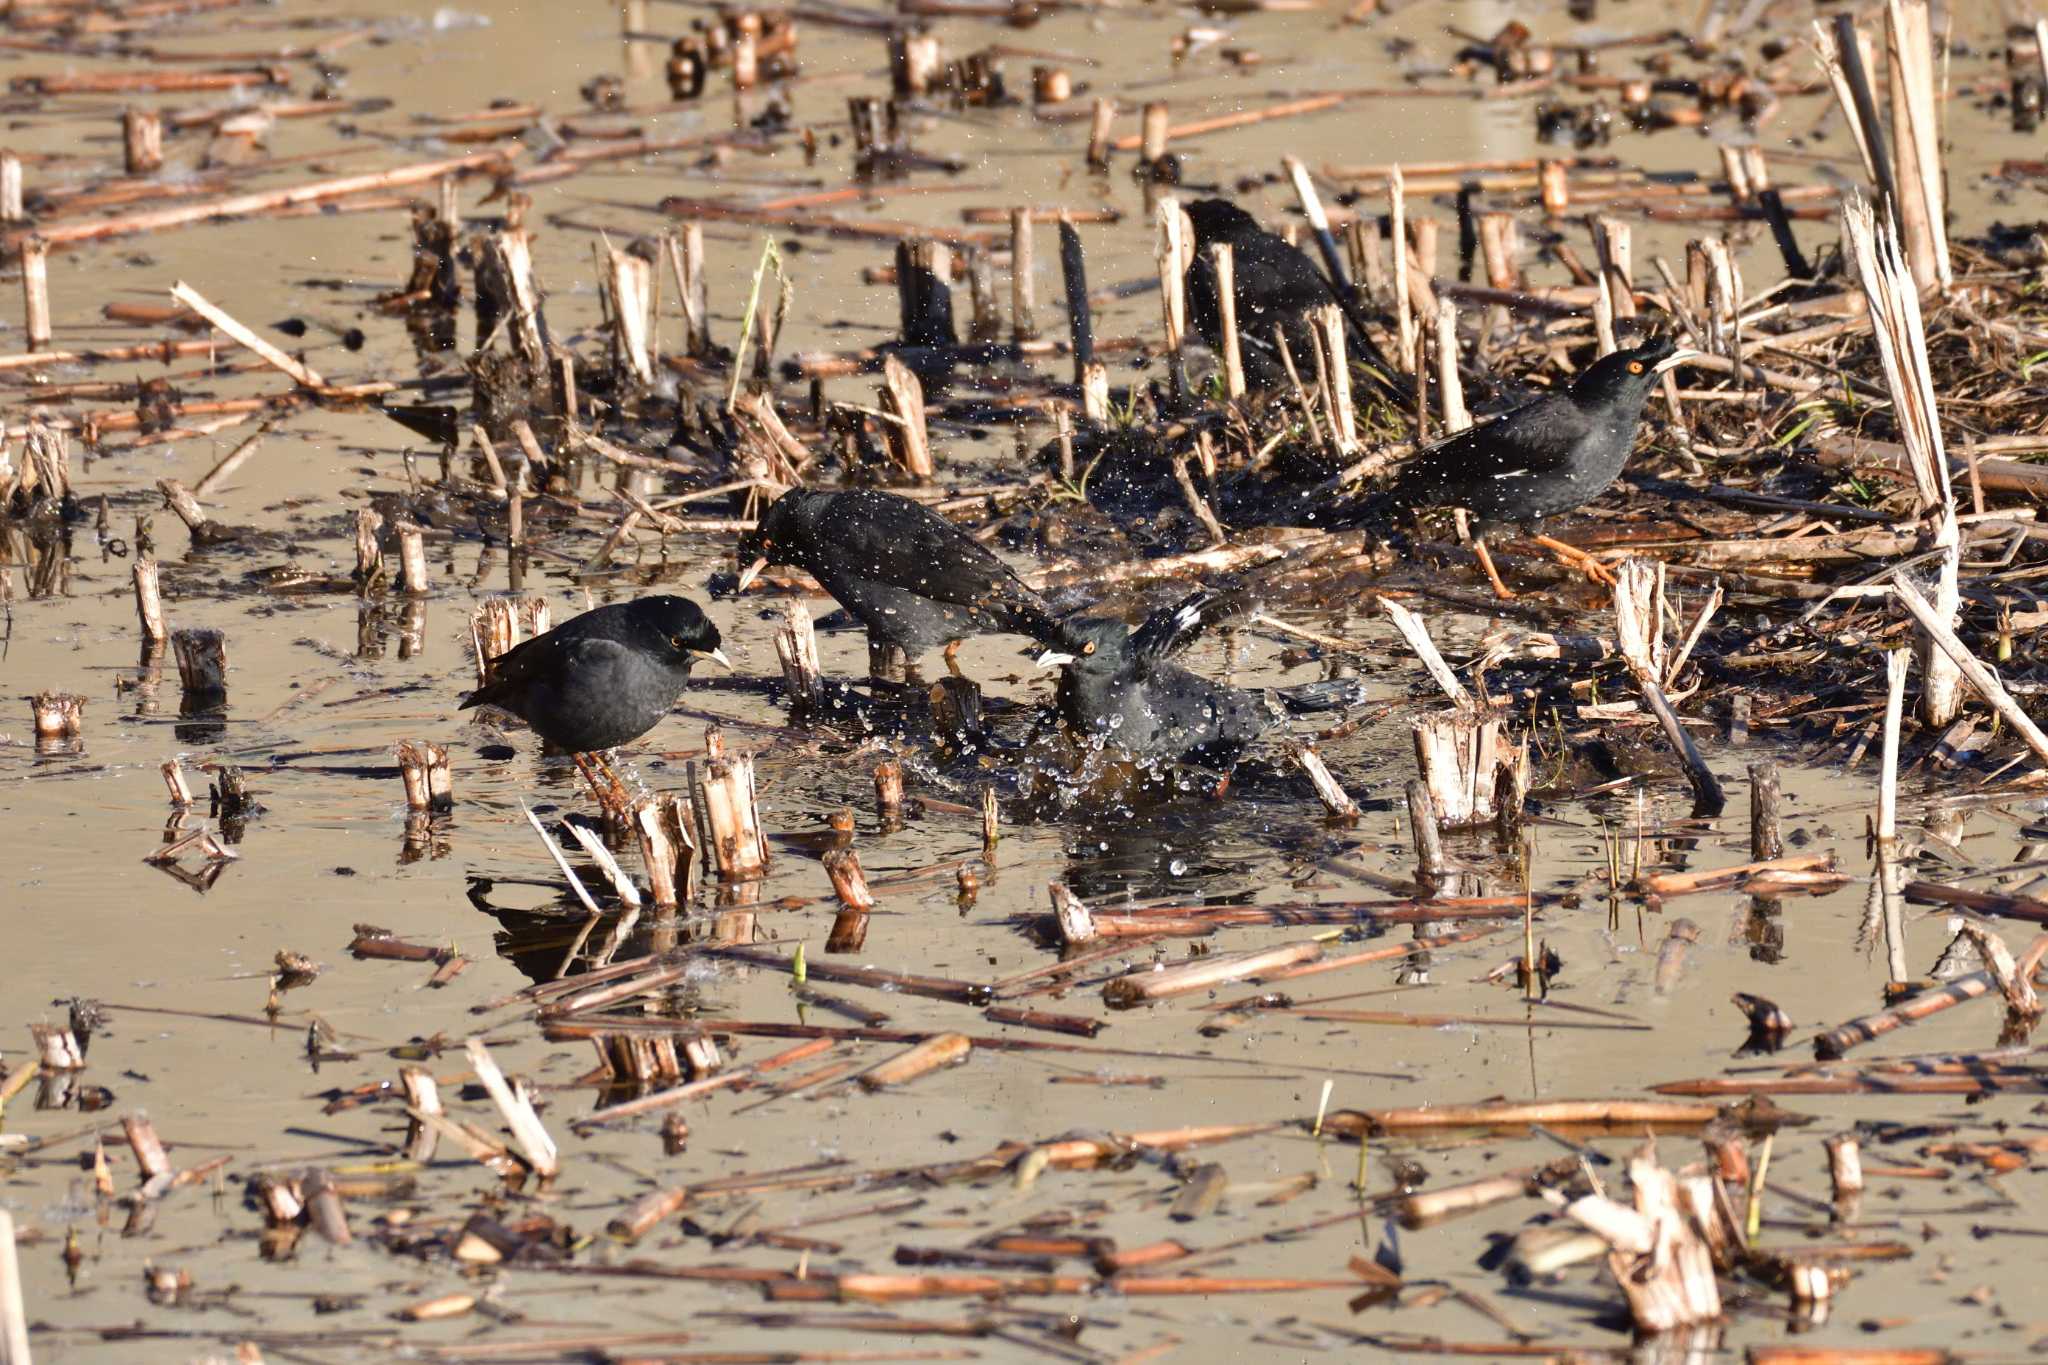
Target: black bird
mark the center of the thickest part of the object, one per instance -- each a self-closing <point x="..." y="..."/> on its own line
<point x="604" y="678"/>
<point x="913" y="578"/>
<point x="1273" y="285"/>
<point x="1544" y="458"/>
<point x="1127" y="692"/>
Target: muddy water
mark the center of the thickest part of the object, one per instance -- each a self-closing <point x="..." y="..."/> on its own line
<point x="322" y="688"/>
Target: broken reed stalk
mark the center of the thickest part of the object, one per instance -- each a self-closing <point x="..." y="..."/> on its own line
<point x="142" y="141"/>
<point x="174" y="783"/>
<point x="202" y="656"/>
<point x="1318" y="222"/>
<point x="232" y="461"/>
<point x="151" y="1159"/>
<point x="422" y="1094"/>
<point x="1916" y="140"/>
<point x="35" y="292"/>
<point x="505" y="281"/>
<point x="1171" y="250"/>
<point x="663" y="823"/>
<point x="1072" y="920"/>
<point x="424" y="768"/>
<point x="1902" y="347"/>
<point x="738" y="846"/>
<point x="1983" y="679"/>
<point x="324" y="1209"/>
<point x="1023" y="269"/>
<point x="1328" y="790"/>
<point x="1603" y="319"/>
<point x="1333" y="369"/>
<point x="13" y="1307"/>
<point x="1835" y="1042"/>
<point x="1658" y="1254"/>
<point x="1183" y="476"/>
<point x="991" y="823"/>
<point x="849" y="882"/>
<point x="1074" y="280"/>
<point x="412" y="559"/>
<point x="493" y="630"/>
<point x="1450" y="384"/>
<point x="1222" y="260"/>
<point x="12" y="209"/>
<point x="56" y="1047"/>
<point x="57" y="715"/>
<point x="593" y="847"/>
<point x="1095" y="393"/>
<point x="629" y="287"/>
<point x="299" y="372"/>
<point x="370" y="574"/>
<point x="1404" y="310"/>
<point x="1845" y="1166"/>
<point x="796" y="649"/>
<point x="1416" y="632"/>
<point x="905" y="437"/>
<point x="1101" y="124"/>
<point x="1765" y="799"/>
<point x="1614" y="247"/>
<point x="1895" y="664"/>
<point x="516" y="1109"/>
<point x="685" y="250"/>
<point x="149" y="604"/>
<point x="260" y="201"/>
<point x="933" y="1054"/>
<point x="1153" y="132"/>
<point x="889" y="793"/>
<point x="1430" y="861"/>
<point x="1201" y="974"/>
<point x="1473" y="771"/>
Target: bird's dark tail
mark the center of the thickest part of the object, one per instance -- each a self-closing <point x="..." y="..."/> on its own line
<point x="1169" y="630"/>
<point x="1334" y="694"/>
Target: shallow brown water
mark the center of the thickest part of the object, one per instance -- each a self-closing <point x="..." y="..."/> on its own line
<point x="313" y="717"/>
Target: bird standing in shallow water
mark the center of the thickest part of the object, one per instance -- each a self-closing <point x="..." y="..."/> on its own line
<point x="604" y="678"/>
<point x="915" y="580"/>
<point x="1544" y="458"/>
<point x="1128" y="693"/>
<point x="1274" y="285"/>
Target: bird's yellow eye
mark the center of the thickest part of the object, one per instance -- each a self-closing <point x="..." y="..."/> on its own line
<point x="677" y="641"/>
<point x="1635" y="367"/>
<point x="1087" y="649"/>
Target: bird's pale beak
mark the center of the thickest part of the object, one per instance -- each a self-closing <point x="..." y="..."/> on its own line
<point x="1683" y="355"/>
<point x="1052" y="658"/>
<point x="717" y="656"/>
<point x="750" y="573"/>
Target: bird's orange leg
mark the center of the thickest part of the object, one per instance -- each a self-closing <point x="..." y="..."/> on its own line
<point x="953" y="659"/>
<point x="606" y="788"/>
<point x="587" y="765"/>
<point x="1578" y="559"/>
<point x="1500" y="589"/>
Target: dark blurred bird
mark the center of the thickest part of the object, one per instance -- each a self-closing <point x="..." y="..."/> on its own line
<point x="604" y="678"/>
<point x="1544" y="458"/>
<point x="1127" y="692"/>
<point x="915" y="580"/>
<point x="1274" y="285"/>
